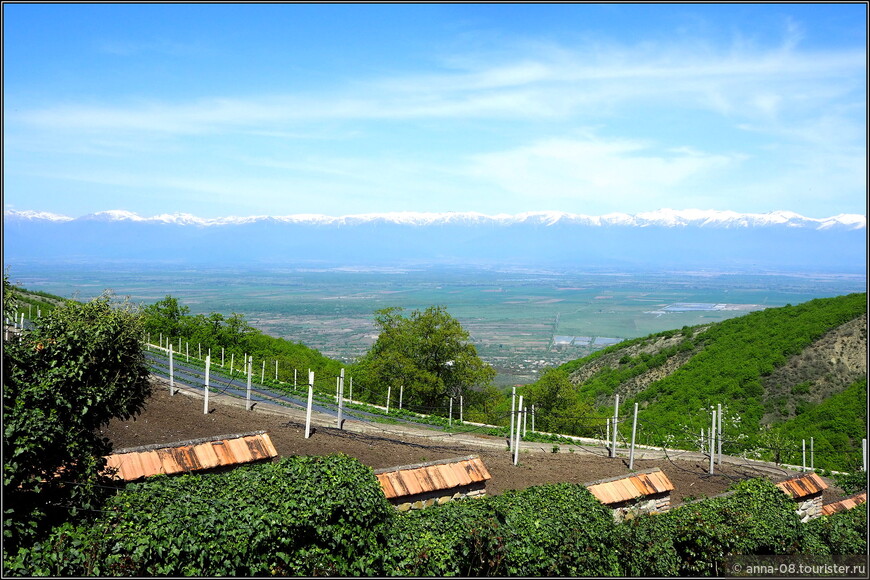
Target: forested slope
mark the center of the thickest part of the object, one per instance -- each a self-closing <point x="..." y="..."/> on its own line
<point x="767" y="369"/>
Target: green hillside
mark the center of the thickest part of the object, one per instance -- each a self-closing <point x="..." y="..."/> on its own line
<point x="780" y="374"/>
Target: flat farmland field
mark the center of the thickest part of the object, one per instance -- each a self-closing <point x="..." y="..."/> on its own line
<point x="520" y="320"/>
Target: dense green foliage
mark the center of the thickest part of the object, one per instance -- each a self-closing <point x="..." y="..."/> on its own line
<point x="328" y="516"/>
<point x="78" y="368"/>
<point x="172" y="321"/>
<point x="836" y="425"/>
<point x="300" y="516"/>
<point x="429" y="353"/>
<point x="728" y="363"/>
<point x="550" y="530"/>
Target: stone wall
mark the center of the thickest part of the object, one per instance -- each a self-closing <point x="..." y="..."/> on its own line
<point x="439" y="497"/>
<point x="651" y="504"/>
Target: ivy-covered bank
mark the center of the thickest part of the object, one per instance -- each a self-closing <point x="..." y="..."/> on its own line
<point x="328" y="516"/>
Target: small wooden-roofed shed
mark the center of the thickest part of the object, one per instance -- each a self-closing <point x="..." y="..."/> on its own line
<point x="646" y="491"/>
<point x="424" y="484"/>
<point x="210" y="453"/>
<point x="806" y="490"/>
<point x="844" y="504"/>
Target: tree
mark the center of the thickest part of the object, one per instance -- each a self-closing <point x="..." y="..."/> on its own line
<point x="428" y="352"/>
<point x="81" y="366"/>
<point x="559" y="406"/>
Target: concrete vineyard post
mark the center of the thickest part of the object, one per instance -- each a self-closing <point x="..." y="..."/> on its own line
<point x="388" y="399"/>
<point x="513" y="412"/>
<point x="262" y="374"/>
<point x="719" y="434"/>
<point x="171" y="373"/>
<point x="712" y="442"/>
<point x="276" y="370"/>
<point x="248" y="392"/>
<point x="525" y="420"/>
<point x="633" y="432"/>
<point x="232" y="361"/>
<point x="351" y="390"/>
<point x="222" y="357"/>
<point x="187" y="351"/>
<point x="615" y="421"/>
<point x="812" y="464"/>
<point x="310" y="403"/>
<point x="460" y="408"/>
<point x="517" y="442"/>
<point x="205" y="398"/>
<point x="450" y="419"/>
<point x="401" y="393"/>
<point x="340" y="397"/>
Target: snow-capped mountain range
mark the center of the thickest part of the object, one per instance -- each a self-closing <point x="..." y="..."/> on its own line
<point x="662" y="239"/>
<point x="661" y="217"/>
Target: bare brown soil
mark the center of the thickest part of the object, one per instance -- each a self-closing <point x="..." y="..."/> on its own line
<point x="168" y="419"/>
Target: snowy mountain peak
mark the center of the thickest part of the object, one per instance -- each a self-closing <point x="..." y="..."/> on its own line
<point x="665" y="217"/>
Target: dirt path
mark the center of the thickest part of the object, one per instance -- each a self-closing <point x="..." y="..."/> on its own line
<point x="168" y="419"/>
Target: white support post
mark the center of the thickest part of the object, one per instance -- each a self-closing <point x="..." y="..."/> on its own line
<point x="513" y="412"/>
<point x="517" y="443"/>
<point x="336" y="390"/>
<point x="161" y="334"/>
<point x="179" y="344"/>
<point x="719" y="434"/>
<point x="340" y="397"/>
<point x="199" y="346"/>
<point x="401" y="394"/>
<point x="533" y="418"/>
<point x="294" y="379"/>
<point x="276" y="370"/>
<point x="812" y="463"/>
<point x="171" y="373"/>
<point x="263" y="373"/>
<point x="864" y="455"/>
<point x="187" y="351"/>
<point x="388" y="399"/>
<point x="205" y="397"/>
<point x="232" y="362"/>
<point x="310" y="403"/>
<point x="615" y="422"/>
<point x="525" y="420"/>
<point x="351" y="390"/>
<point x="460" y="408"/>
<point x="450" y="420"/>
<point x="712" y="442"/>
<point x="633" y="432"/>
<point x="607" y="436"/>
<point x="222" y="357"/>
<point x="248" y="392"/>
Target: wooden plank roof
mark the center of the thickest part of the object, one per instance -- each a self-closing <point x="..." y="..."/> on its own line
<point x="845" y="504"/>
<point x="444" y="474"/>
<point x="803" y="485"/>
<point x="186" y="456"/>
<point x="627" y="487"/>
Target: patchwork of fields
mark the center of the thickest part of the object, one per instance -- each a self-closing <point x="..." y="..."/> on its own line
<point x="520" y="320"/>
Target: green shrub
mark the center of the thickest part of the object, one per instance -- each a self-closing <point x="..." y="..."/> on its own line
<point x="843" y="533"/>
<point x="299" y="516"/>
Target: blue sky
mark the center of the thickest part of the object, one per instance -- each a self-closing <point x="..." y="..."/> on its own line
<point x="231" y="109"/>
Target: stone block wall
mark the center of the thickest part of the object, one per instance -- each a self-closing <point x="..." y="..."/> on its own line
<point x="439" y="497"/>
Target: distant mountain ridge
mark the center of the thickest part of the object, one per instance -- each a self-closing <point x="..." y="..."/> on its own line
<point x="662" y="239"/>
<point x="662" y="217"/>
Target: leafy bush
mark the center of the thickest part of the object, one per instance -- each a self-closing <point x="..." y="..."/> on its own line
<point x="843" y="533"/>
<point x="558" y="529"/>
<point x="299" y="516"/>
<point x="693" y="539"/>
<point x="80" y="367"/>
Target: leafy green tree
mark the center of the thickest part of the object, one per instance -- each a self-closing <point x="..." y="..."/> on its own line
<point x="428" y="352"/>
<point x="81" y="366"/>
<point x="559" y="406"/>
